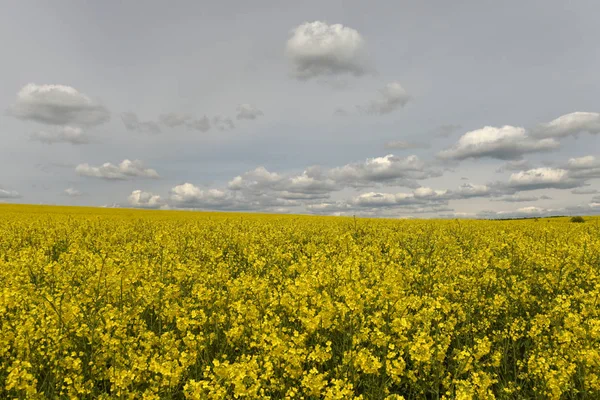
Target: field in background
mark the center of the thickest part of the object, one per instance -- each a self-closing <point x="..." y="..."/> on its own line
<point x="105" y="303"/>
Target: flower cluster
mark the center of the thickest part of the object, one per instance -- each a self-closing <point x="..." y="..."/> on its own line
<point x="101" y="303"/>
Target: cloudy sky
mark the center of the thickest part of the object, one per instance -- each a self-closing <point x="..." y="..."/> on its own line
<point x="383" y="108"/>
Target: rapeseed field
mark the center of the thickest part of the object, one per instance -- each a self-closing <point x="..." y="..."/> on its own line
<point x="126" y="304"/>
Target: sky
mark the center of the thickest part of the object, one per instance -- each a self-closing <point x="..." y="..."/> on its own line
<point x="475" y="109"/>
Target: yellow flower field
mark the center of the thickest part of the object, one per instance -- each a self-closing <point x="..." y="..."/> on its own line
<point x="127" y="304"/>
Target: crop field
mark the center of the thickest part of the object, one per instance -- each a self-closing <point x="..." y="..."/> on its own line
<point x="128" y="304"/>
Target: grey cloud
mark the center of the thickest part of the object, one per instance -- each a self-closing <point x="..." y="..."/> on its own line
<point x="132" y="123"/>
<point x="223" y="123"/>
<point x="319" y="49"/>
<point x="516" y="198"/>
<point x="448" y="129"/>
<point x="316" y="183"/>
<point x="584" y="191"/>
<point x="202" y="124"/>
<point x="571" y="124"/>
<point x="534" y="211"/>
<point x="587" y="167"/>
<point x="470" y="190"/>
<point x="64" y="134"/>
<point x="391" y="97"/>
<point x="127" y="169"/>
<point x="173" y="120"/>
<point x="505" y="143"/>
<point x="9" y="194"/>
<point x="404" y="145"/>
<point x="247" y="111"/>
<point x="57" y="105"/>
<point x="515" y="165"/>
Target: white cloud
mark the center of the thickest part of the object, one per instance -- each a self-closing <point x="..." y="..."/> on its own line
<point x="141" y="199"/>
<point x="125" y="170"/>
<point x="188" y="195"/>
<point x="505" y="143"/>
<point x="247" y="111"/>
<point x="391" y="97"/>
<point x="259" y="178"/>
<point x="542" y="178"/>
<point x="583" y="162"/>
<point x="71" y="192"/>
<point x="57" y="105"/>
<point x="319" y="49"/>
<point x="570" y="125"/>
<point x="388" y="169"/>
<point x="132" y="123"/>
<point x="64" y="134"/>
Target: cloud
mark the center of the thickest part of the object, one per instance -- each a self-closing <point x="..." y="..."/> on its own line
<point x="308" y="184"/>
<point x="9" y="194"/>
<point x="71" y="192"/>
<point x="173" y="120"/>
<point x="389" y="169"/>
<point x="448" y="129"/>
<point x="132" y="123"/>
<point x="202" y="124"/>
<point x="318" y="49"/>
<point x="404" y="145"/>
<point x="141" y="199"/>
<point x="421" y="196"/>
<point x="316" y="183"/>
<point x="470" y="190"/>
<point x="420" y="200"/>
<point x="517" y="198"/>
<point x="57" y="105"/>
<point x="125" y="170"/>
<point x="188" y="195"/>
<point x="65" y="134"/>
<point x="542" y="178"/>
<point x="340" y="112"/>
<point x="506" y="143"/>
<point x="584" y="191"/>
<point x="223" y="123"/>
<point x="587" y="167"/>
<point x="515" y="165"/>
<point x="571" y="124"/>
<point x="247" y="111"/>
<point x="534" y="211"/>
<point x="329" y="207"/>
<point x="392" y="97"/>
<point x="585" y="162"/>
